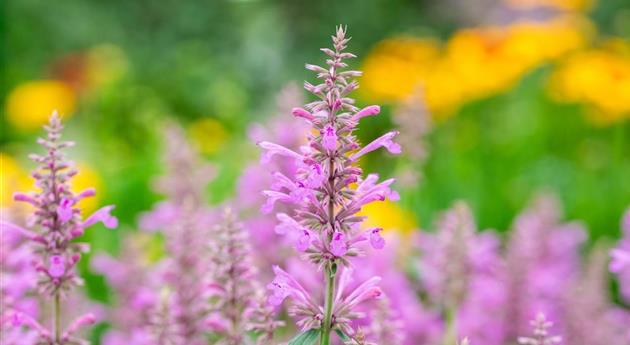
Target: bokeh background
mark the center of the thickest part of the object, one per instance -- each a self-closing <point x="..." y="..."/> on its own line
<point x="496" y="100"/>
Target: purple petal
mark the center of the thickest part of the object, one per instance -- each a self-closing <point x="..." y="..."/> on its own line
<point x="329" y="137"/>
<point x="57" y="266"/>
<point x="64" y="211"/>
<point x="304" y="241"/>
<point x="376" y="240"/>
<point x="338" y="246"/>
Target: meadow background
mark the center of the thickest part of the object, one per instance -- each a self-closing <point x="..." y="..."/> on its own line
<point x="512" y="97"/>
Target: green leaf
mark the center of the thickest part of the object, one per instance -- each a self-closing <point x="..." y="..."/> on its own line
<point x="306" y="338"/>
<point x="342" y="335"/>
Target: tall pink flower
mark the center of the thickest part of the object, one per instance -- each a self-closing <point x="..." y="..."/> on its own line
<point x="56" y="224"/>
<point x="236" y="306"/>
<point x="543" y="258"/>
<point x="323" y="199"/>
<point x="461" y="272"/>
<point x="186" y="222"/>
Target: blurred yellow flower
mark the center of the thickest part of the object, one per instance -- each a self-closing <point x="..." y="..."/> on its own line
<point x="474" y="63"/>
<point x="567" y="5"/>
<point x="208" y="134"/>
<point x="599" y="77"/>
<point x="389" y="216"/>
<point x="13" y="179"/>
<point x="30" y="104"/>
<point x="395" y="66"/>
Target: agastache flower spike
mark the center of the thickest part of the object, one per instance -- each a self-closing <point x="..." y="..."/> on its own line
<point x="323" y="195"/>
<point x="57" y="222"/>
<point x="234" y="308"/>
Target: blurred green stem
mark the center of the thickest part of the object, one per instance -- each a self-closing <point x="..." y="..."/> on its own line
<point x="330" y="285"/>
<point x="450" y="335"/>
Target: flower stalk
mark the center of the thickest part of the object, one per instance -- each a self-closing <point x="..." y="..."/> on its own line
<point x="325" y="200"/>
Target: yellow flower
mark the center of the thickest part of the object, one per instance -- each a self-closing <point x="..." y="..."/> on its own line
<point x="598" y="77"/>
<point x="474" y="63"/>
<point x="13" y="179"/>
<point x="208" y="134"/>
<point x="395" y="66"/>
<point x="484" y="61"/>
<point x="30" y="104"/>
<point x="567" y="5"/>
<point x="389" y="216"/>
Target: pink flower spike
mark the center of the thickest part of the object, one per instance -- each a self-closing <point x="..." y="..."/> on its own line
<point x="272" y="149"/>
<point x="620" y="260"/>
<point x="367" y="111"/>
<point x="64" y="212"/>
<point x="304" y="241"/>
<point x="57" y="267"/>
<point x="338" y="246"/>
<point x="299" y="112"/>
<point x="102" y="215"/>
<point x="85" y="320"/>
<point x="383" y="141"/>
<point x="376" y="240"/>
<point x="329" y="137"/>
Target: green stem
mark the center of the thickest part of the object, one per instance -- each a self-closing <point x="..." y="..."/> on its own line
<point x="450" y="336"/>
<point x="57" y="317"/>
<point x="330" y="286"/>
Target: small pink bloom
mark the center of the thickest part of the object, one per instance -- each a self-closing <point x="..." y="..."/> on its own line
<point x="383" y="141"/>
<point x="299" y="112"/>
<point x="82" y="321"/>
<point x="25" y="198"/>
<point x="102" y="215"/>
<point x="304" y="241"/>
<point x="367" y="111"/>
<point x="280" y="290"/>
<point x="272" y="198"/>
<point x="338" y="246"/>
<point x="329" y="137"/>
<point x="64" y="211"/>
<point x="314" y="176"/>
<point x="57" y="266"/>
<point x="272" y="149"/>
<point x="376" y="240"/>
